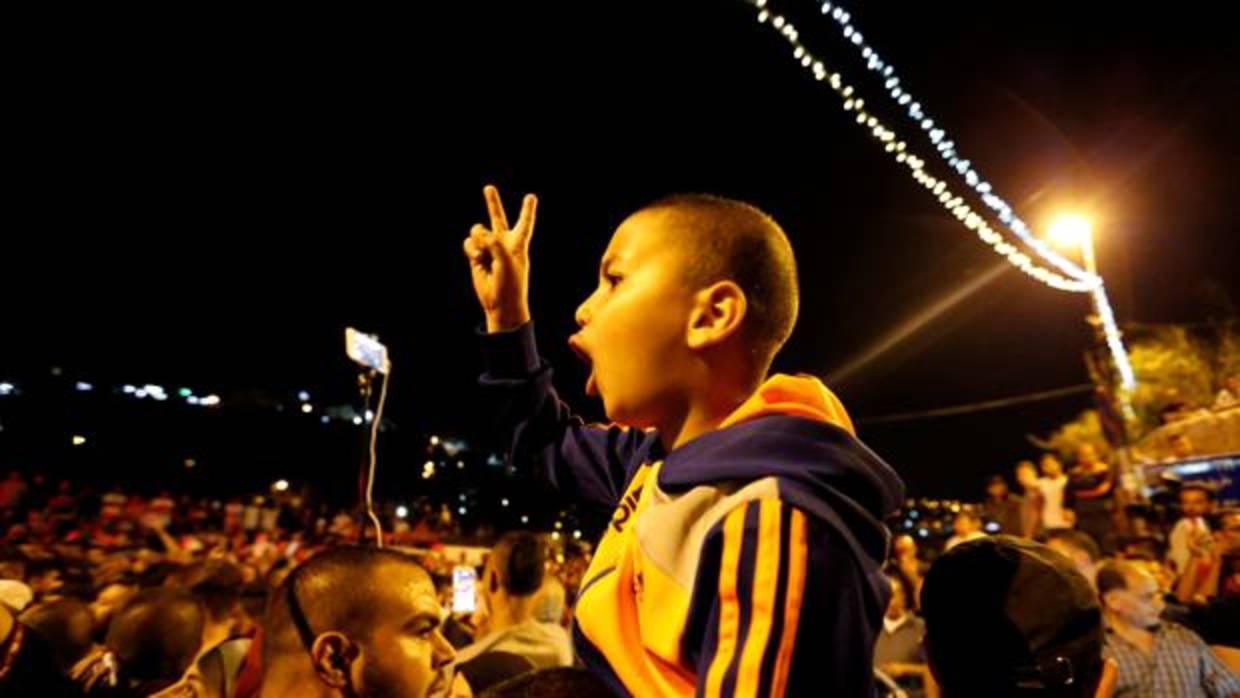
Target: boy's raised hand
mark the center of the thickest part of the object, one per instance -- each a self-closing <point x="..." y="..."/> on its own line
<point x="499" y="261"/>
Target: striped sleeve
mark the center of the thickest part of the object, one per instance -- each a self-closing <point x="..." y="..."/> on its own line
<point x="771" y="616"/>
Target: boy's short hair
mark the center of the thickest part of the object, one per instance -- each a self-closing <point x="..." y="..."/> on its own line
<point x="736" y="241"/>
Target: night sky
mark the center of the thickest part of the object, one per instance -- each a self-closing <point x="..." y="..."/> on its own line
<point x="210" y="199"/>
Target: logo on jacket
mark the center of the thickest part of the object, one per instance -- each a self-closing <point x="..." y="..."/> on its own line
<point x="624" y="512"/>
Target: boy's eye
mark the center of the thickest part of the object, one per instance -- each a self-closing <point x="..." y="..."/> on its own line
<point x="612" y="279"/>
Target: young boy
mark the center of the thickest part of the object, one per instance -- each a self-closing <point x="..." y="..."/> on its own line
<point x="743" y="555"/>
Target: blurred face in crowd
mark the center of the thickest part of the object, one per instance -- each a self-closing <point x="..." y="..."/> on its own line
<point x="1080" y="558"/>
<point x="12" y="569"/>
<point x="1141" y="604"/>
<point x="46" y="584"/>
<point x="904" y="547"/>
<point x="898" y="605"/>
<point x="1051" y="467"/>
<point x="1229" y="534"/>
<point x="1194" y="503"/>
<point x="1086" y="455"/>
<point x="966" y="524"/>
<point x="997" y="489"/>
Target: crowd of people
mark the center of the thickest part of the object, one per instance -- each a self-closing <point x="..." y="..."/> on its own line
<point x="1165" y="595"/>
<point x="112" y="593"/>
<point x="171" y="595"/>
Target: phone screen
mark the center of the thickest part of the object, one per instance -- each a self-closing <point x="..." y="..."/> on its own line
<point x="366" y="350"/>
<point x="464" y="589"/>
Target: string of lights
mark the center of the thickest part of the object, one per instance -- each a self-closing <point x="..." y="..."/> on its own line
<point x="1070" y="277"/>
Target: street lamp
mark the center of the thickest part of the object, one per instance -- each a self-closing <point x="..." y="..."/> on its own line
<point x="1075" y="230"/>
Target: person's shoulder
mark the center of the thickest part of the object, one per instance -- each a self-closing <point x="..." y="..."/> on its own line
<point x="1180" y="634"/>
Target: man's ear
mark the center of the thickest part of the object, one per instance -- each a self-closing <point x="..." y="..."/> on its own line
<point x="1109" y="601"/>
<point x="333" y="655"/>
<point x="717" y="314"/>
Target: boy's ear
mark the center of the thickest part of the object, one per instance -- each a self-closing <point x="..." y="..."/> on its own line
<point x="717" y="313"/>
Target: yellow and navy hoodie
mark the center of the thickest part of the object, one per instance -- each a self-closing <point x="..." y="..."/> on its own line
<point x="743" y="563"/>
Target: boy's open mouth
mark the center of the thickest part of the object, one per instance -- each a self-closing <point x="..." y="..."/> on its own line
<point x="574" y="343"/>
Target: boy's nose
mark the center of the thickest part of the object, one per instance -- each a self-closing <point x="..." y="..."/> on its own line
<point x="582" y="316"/>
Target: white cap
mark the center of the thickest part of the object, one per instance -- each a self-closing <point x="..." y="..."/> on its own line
<point x="15" y="594"/>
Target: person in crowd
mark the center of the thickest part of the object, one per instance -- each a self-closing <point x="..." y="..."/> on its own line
<point x="354" y="621"/>
<point x="13" y="490"/>
<point x="1191" y="532"/>
<point x="1091" y="490"/>
<point x="1078" y="547"/>
<point x="511" y="584"/>
<point x="45" y="578"/>
<point x="1002" y="506"/>
<point x="1212" y="590"/>
<point x="1009" y="617"/>
<point x="149" y="649"/>
<point x="1155" y="657"/>
<point x="967" y="526"/>
<point x="900" y="654"/>
<point x="67" y="626"/>
<point x="28" y="663"/>
<point x="1053" y="484"/>
<point x="716" y="474"/>
<point x="906" y="562"/>
<point x="1032" y="502"/>
<point x="218" y="586"/>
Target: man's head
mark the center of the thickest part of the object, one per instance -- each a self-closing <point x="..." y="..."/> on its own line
<point x="68" y="627"/>
<point x="45" y="578"/>
<point x="1229" y="531"/>
<point x="1010" y="617"/>
<point x="904" y="546"/>
<point x="513" y="575"/>
<point x="218" y="585"/>
<point x="111" y="597"/>
<point x="1130" y="595"/>
<point x="1196" y="500"/>
<point x="1086" y="454"/>
<point x="354" y="621"/>
<point x="967" y="522"/>
<point x="997" y="487"/>
<point x="1078" y="547"/>
<point x="155" y="637"/>
<point x="1051" y="467"/>
<point x="702" y="287"/>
